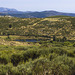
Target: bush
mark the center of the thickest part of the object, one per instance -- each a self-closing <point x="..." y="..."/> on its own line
<point x="41" y="66"/>
<point x="57" y="50"/>
<point x="6" y="69"/>
<point x="67" y="43"/>
<point x="3" y="60"/>
<point x="62" y="65"/>
<point x="74" y="45"/>
<point x="21" y="48"/>
<point x="16" y="59"/>
<point x="30" y="54"/>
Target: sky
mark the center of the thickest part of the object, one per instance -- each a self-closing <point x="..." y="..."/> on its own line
<point x="40" y="5"/>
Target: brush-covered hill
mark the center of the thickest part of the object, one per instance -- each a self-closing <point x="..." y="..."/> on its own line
<point x="56" y="25"/>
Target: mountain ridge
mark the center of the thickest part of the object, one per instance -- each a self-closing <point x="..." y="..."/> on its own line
<point x="30" y="14"/>
<point x="59" y="26"/>
<point x="2" y="9"/>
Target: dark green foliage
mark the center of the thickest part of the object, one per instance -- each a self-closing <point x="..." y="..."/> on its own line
<point x="16" y="58"/>
<point x="58" y="50"/>
<point x="64" y="39"/>
<point x="74" y="45"/>
<point x="30" y="54"/>
<point x="10" y="26"/>
<point x="3" y="60"/>
<point x="54" y="38"/>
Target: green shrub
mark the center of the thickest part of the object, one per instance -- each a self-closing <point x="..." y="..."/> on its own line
<point x="74" y="45"/>
<point x="67" y="43"/>
<point x="41" y="66"/>
<point x="21" y="48"/>
<point x="30" y="54"/>
<point x="16" y="59"/>
<point x="70" y="54"/>
<point x="62" y="65"/>
<point x="57" y="50"/>
<point x="3" y="60"/>
<point x="6" y="69"/>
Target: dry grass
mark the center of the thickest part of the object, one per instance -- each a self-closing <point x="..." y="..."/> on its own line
<point x="16" y="43"/>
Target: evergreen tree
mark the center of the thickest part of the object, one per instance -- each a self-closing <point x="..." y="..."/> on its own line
<point x="64" y="39"/>
<point x="10" y="26"/>
<point x="54" y="38"/>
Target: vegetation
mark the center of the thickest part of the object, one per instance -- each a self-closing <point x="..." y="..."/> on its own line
<point x="53" y="54"/>
<point x="59" y="26"/>
<point x="48" y="58"/>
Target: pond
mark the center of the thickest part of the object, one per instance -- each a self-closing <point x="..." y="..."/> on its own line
<point x="27" y="40"/>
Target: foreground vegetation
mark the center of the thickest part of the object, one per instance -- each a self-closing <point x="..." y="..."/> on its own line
<point x="48" y="58"/>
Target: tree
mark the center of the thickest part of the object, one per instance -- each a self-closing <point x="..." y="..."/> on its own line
<point x="8" y="35"/>
<point x="64" y="39"/>
<point x="54" y="38"/>
<point x="10" y="26"/>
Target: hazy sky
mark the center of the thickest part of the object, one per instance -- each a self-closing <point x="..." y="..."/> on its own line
<point x="40" y="5"/>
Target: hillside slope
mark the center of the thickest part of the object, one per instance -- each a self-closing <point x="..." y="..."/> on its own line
<point x="56" y="25"/>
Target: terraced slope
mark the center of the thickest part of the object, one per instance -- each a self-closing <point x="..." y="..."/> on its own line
<point x="56" y="25"/>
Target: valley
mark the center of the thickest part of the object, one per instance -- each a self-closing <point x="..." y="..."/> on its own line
<point x="37" y="46"/>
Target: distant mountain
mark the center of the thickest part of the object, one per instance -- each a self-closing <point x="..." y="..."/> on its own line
<point x="6" y="9"/>
<point x="30" y="14"/>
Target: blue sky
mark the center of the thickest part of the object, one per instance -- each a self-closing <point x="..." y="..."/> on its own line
<point x="40" y="5"/>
